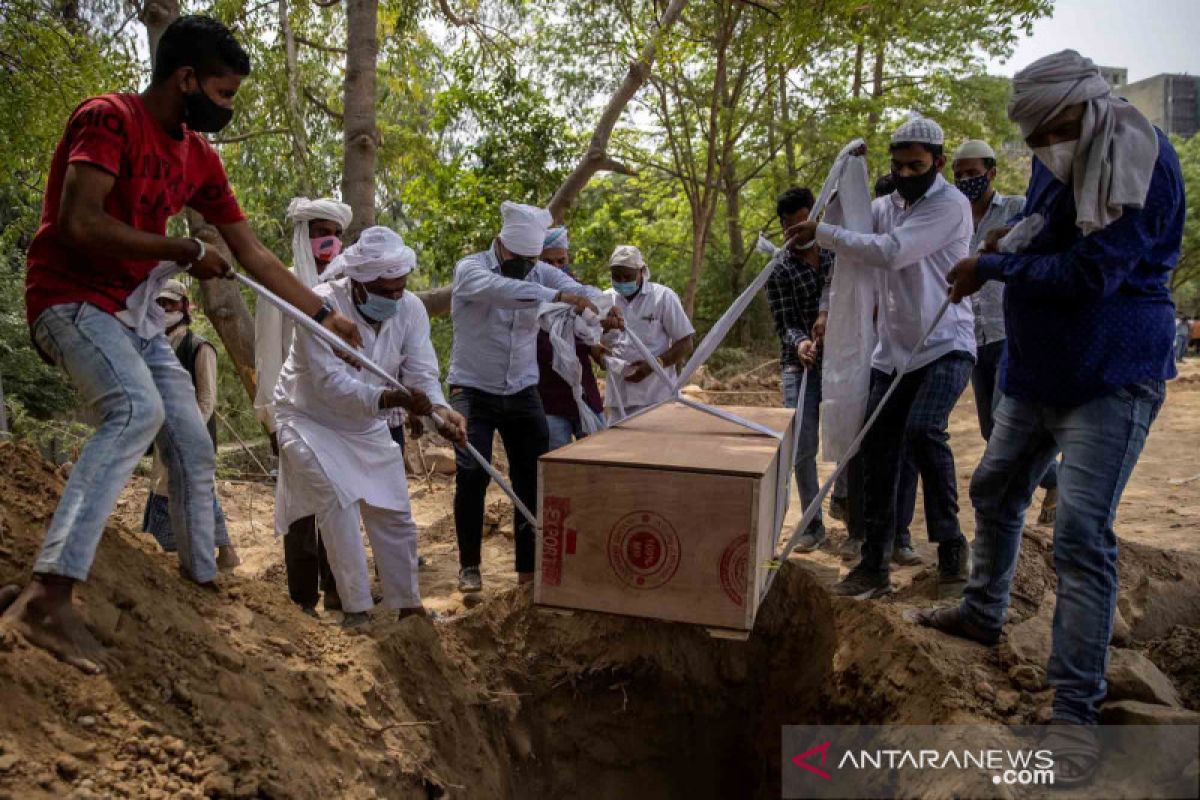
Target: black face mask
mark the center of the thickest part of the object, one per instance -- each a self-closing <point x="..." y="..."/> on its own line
<point x="516" y="267"/>
<point x="913" y="187"/>
<point x="202" y="114"/>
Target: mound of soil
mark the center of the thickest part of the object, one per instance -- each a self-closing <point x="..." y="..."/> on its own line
<point x="238" y="694"/>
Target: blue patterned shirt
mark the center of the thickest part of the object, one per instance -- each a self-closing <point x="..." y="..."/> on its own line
<point x="1087" y="315"/>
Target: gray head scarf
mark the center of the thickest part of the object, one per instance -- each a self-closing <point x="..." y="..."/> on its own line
<point x="1117" y="148"/>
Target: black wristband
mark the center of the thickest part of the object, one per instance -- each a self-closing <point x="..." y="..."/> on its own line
<point x="324" y="311"/>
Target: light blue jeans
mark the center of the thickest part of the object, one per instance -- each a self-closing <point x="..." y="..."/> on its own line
<point x="806" y="449"/>
<point x="1100" y="442"/>
<point x="134" y="389"/>
<point x="563" y="431"/>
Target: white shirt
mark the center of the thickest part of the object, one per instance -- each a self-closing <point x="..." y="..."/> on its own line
<point x="914" y="248"/>
<point x="334" y="408"/>
<point x="656" y="316"/>
<point x="496" y="322"/>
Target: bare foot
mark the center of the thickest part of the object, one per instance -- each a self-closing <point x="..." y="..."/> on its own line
<point x="227" y="558"/>
<point x="45" y="616"/>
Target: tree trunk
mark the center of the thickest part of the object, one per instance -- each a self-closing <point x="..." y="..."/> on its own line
<point x="596" y="158"/>
<point x="877" y="85"/>
<point x="298" y="135"/>
<point x="737" y="244"/>
<point x="785" y="116"/>
<point x="222" y="302"/>
<point x="856" y="86"/>
<point x="361" y="135"/>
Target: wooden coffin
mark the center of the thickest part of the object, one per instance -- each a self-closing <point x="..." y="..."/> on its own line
<point x="671" y="515"/>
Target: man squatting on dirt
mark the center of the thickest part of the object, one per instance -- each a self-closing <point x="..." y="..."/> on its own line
<point x="98" y="241"/>
<point x="337" y="456"/>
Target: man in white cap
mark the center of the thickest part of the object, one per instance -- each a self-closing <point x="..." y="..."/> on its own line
<point x="654" y="313"/>
<point x="921" y="230"/>
<point x="199" y="358"/>
<point x="1088" y="316"/>
<point x="494" y="373"/>
<point x="974" y="168"/>
<point x="337" y="457"/>
<point x="317" y="227"/>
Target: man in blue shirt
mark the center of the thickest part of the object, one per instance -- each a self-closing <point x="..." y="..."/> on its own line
<point x="1089" y="314"/>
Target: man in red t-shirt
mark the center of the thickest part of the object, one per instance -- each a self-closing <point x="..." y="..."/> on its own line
<point x="125" y="165"/>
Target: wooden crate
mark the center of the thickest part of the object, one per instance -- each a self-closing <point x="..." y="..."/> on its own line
<point x="671" y="515"/>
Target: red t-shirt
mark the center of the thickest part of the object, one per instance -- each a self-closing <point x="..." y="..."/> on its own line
<point x="157" y="175"/>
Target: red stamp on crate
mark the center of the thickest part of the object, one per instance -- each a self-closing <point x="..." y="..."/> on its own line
<point x="556" y="539"/>
<point x="643" y="550"/>
<point x="733" y="569"/>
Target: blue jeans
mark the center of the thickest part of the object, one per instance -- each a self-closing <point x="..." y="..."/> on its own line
<point x="563" y="431"/>
<point x="136" y="390"/>
<point x="912" y="424"/>
<point x="985" y="382"/>
<point x="806" y="448"/>
<point x="156" y="521"/>
<point x="1100" y="443"/>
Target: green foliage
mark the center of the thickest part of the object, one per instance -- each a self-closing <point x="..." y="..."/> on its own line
<point x="1185" y="281"/>
<point x="498" y="99"/>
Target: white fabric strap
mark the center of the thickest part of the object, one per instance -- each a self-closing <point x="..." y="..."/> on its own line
<point x="324" y="334"/>
<point x="729" y="416"/>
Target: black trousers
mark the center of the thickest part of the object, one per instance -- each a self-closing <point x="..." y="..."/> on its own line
<point x="521" y="422"/>
<point x="308" y="572"/>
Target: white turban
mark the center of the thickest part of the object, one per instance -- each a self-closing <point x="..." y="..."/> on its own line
<point x="919" y="129"/>
<point x="174" y="289"/>
<point x="974" y="148"/>
<point x="556" y="238"/>
<point x="1117" y="148"/>
<point x="302" y="211"/>
<point x="378" y="253"/>
<point x="523" y="228"/>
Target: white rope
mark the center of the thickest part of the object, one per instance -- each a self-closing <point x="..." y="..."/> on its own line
<point x="814" y="508"/>
<point x="339" y="346"/>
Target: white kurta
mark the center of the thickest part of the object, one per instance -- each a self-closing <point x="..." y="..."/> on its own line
<point x="334" y="408"/>
<point x="656" y="316"/>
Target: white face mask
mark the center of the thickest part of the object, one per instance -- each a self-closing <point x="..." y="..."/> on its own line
<point x="172" y="319"/>
<point x="1058" y="158"/>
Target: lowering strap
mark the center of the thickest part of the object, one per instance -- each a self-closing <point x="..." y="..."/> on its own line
<point x="339" y="346"/>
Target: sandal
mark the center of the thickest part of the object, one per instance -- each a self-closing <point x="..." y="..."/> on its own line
<point x="1076" y="751"/>
<point x="950" y="620"/>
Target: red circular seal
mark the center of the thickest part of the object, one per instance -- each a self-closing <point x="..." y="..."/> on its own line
<point x="643" y="550"/>
<point x="733" y="569"/>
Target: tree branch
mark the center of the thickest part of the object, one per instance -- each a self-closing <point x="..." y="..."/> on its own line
<point x="241" y="137"/>
<point x="319" y="103"/>
<point x="328" y="48"/>
<point x="597" y="151"/>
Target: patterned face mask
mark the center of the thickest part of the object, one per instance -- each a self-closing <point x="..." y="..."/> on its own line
<point x="973" y="188"/>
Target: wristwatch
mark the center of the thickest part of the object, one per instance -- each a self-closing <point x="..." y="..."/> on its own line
<point x="203" y="250"/>
<point x="324" y="311"/>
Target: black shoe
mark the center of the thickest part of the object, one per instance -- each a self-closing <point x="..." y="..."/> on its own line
<point x="951" y="621"/>
<point x="863" y="585"/>
<point x="811" y="539"/>
<point x="837" y="508"/>
<point x="469" y="580"/>
<point x="954" y="568"/>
